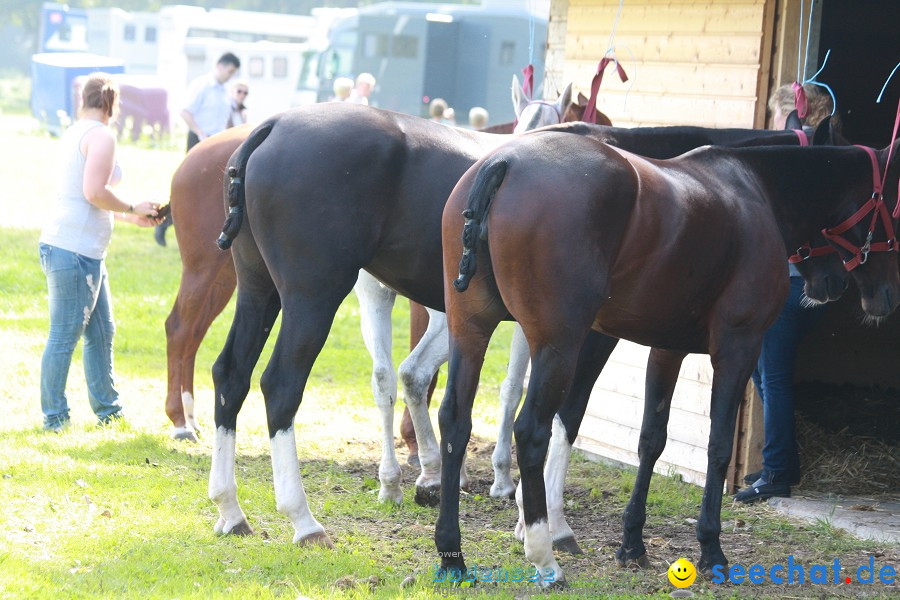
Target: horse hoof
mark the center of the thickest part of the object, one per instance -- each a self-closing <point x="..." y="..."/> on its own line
<point x="705" y="567"/>
<point x="184" y="434"/>
<point x="430" y="496"/>
<point x="503" y="491"/>
<point x="567" y="544"/>
<point x="318" y="538"/>
<point x="414" y="461"/>
<point x="395" y="496"/>
<point x="241" y="528"/>
<point x="555" y="585"/>
<point x="641" y="562"/>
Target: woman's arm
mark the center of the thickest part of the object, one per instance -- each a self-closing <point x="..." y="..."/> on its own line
<point x="99" y="147"/>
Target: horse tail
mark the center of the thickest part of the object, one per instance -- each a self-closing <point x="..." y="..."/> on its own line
<point x="488" y="179"/>
<point x="237" y="167"/>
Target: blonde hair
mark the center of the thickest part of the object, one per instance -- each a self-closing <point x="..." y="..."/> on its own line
<point x="100" y="91"/>
<point x="437" y="107"/>
<point x="342" y="87"/>
<point x="478" y="117"/>
<point x="818" y="101"/>
<point x="366" y="78"/>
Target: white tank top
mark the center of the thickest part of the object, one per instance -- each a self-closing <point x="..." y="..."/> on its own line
<point x="75" y="224"/>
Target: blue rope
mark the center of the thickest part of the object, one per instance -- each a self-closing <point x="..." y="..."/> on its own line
<point x="884" y="87"/>
<point x="813" y="81"/>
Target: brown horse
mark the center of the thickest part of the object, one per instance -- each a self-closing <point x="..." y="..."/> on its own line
<point x="570" y="235"/>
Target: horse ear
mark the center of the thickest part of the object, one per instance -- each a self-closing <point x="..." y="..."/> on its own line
<point x="824" y="135"/>
<point x="582" y="99"/>
<point x="793" y="121"/>
<point x="565" y="99"/>
<point x="518" y="97"/>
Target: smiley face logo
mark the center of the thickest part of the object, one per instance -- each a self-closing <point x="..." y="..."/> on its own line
<point x="682" y="573"/>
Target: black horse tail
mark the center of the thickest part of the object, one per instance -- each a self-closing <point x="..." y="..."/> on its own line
<point x="488" y="179"/>
<point x="237" y="167"/>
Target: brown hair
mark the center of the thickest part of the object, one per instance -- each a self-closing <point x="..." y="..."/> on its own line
<point x="818" y="102"/>
<point x="100" y="91"/>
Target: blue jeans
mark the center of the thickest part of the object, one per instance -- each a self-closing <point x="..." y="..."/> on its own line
<point x="80" y="304"/>
<point x="774" y="379"/>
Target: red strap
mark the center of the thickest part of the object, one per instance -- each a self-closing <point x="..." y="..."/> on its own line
<point x="528" y="81"/>
<point x="877" y="181"/>
<point x="801" y="135"/>
<point x="800" y="102"/>
<point x="590" y="111"/>
<point x="806" y="251"/>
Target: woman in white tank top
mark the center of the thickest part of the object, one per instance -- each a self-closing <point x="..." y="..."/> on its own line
<point x="73" y="247"/>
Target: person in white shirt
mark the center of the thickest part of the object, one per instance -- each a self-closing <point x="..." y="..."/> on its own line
<point x="365" y="82"/>
<point x="73" y="247"/>
<point x="206" y="113"/>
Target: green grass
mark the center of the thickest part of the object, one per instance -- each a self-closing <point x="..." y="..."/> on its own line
<point x="122" y="511"/>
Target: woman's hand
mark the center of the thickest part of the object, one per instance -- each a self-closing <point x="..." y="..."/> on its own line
<point x="144" y="214"/>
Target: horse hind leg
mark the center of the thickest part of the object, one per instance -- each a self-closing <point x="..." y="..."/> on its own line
<point x="416" y="374"/>
<point x="201" y="297"/>
<point x="376" y="303"/>
<point x="304" y="329"/>
<point x="510" y="397"/>
<point x="662" y="374"/>
<point x="255" y="313"/>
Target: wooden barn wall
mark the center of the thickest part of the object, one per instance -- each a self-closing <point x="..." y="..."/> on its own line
<point x="690" y="62"/>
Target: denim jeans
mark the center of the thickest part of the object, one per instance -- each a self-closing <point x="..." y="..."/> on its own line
<point x="80" y="304"/>
<point x="774" y="379"/>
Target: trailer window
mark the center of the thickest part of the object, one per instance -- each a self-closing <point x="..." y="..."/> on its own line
<point x="279" y="67"/>
<point x="507" y="53"/>
<point x="405" y="46"/>
<point x="256" y="68"/>
<point x="375" y="45"/>
<point x="150" y="35"/>
<point x="128" y="34"/>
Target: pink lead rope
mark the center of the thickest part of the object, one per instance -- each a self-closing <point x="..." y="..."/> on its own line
<point x="590" y="111"/>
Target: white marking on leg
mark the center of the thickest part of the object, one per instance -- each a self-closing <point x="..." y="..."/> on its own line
<point x="187" y="401"/>
<point x="520" y="524"/>
<point x="290" y="497"/>
<point x="222" y="484"/>
<point x="555" y="479"/>
<point x="510" y="397"/>
<point x="376" y="303"/>
<point x="416" y="373"/>
<point x="539" y="551"/>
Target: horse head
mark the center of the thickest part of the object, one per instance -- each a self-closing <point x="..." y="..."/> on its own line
<point x="531" y="114"/>
<point x="865" y="240"/>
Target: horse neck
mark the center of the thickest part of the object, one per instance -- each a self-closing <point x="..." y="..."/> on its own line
<point x="808" y="188"/>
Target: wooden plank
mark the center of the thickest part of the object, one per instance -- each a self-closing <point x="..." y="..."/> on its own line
<point x="763" y="83"/>
<point x="684" y="426"/>
<point x="675" y="18"/>
<point x="670" y="109"/>
<point x="617" y="456"/>
<point x="621" y="443"/>
<point x="555" y="57"/>
<point x="658" y="3"/>
<point x="627" y="381"/>
<point x="723" y="81"/>
<point x="670" y="47"/>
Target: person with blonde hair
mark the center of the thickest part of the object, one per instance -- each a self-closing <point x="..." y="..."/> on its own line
<point x="342" y="87"/>
<point x="73" y="245"/>
<point x="817" y="105"/>
<point x="365" y="83"/>
<point x="436" y="109"/>
<point x="478" y="117"/>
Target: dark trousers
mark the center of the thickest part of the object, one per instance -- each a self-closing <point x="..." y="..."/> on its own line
<point x="192" y="140"/>
<point x="774" y="379"/>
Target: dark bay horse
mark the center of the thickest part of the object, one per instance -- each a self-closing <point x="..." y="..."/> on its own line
<point x="323" y="191"/>
<point x="570" y="236"/>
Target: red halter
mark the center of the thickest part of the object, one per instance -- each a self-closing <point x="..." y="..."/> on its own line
<point x="876" y="206"/>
